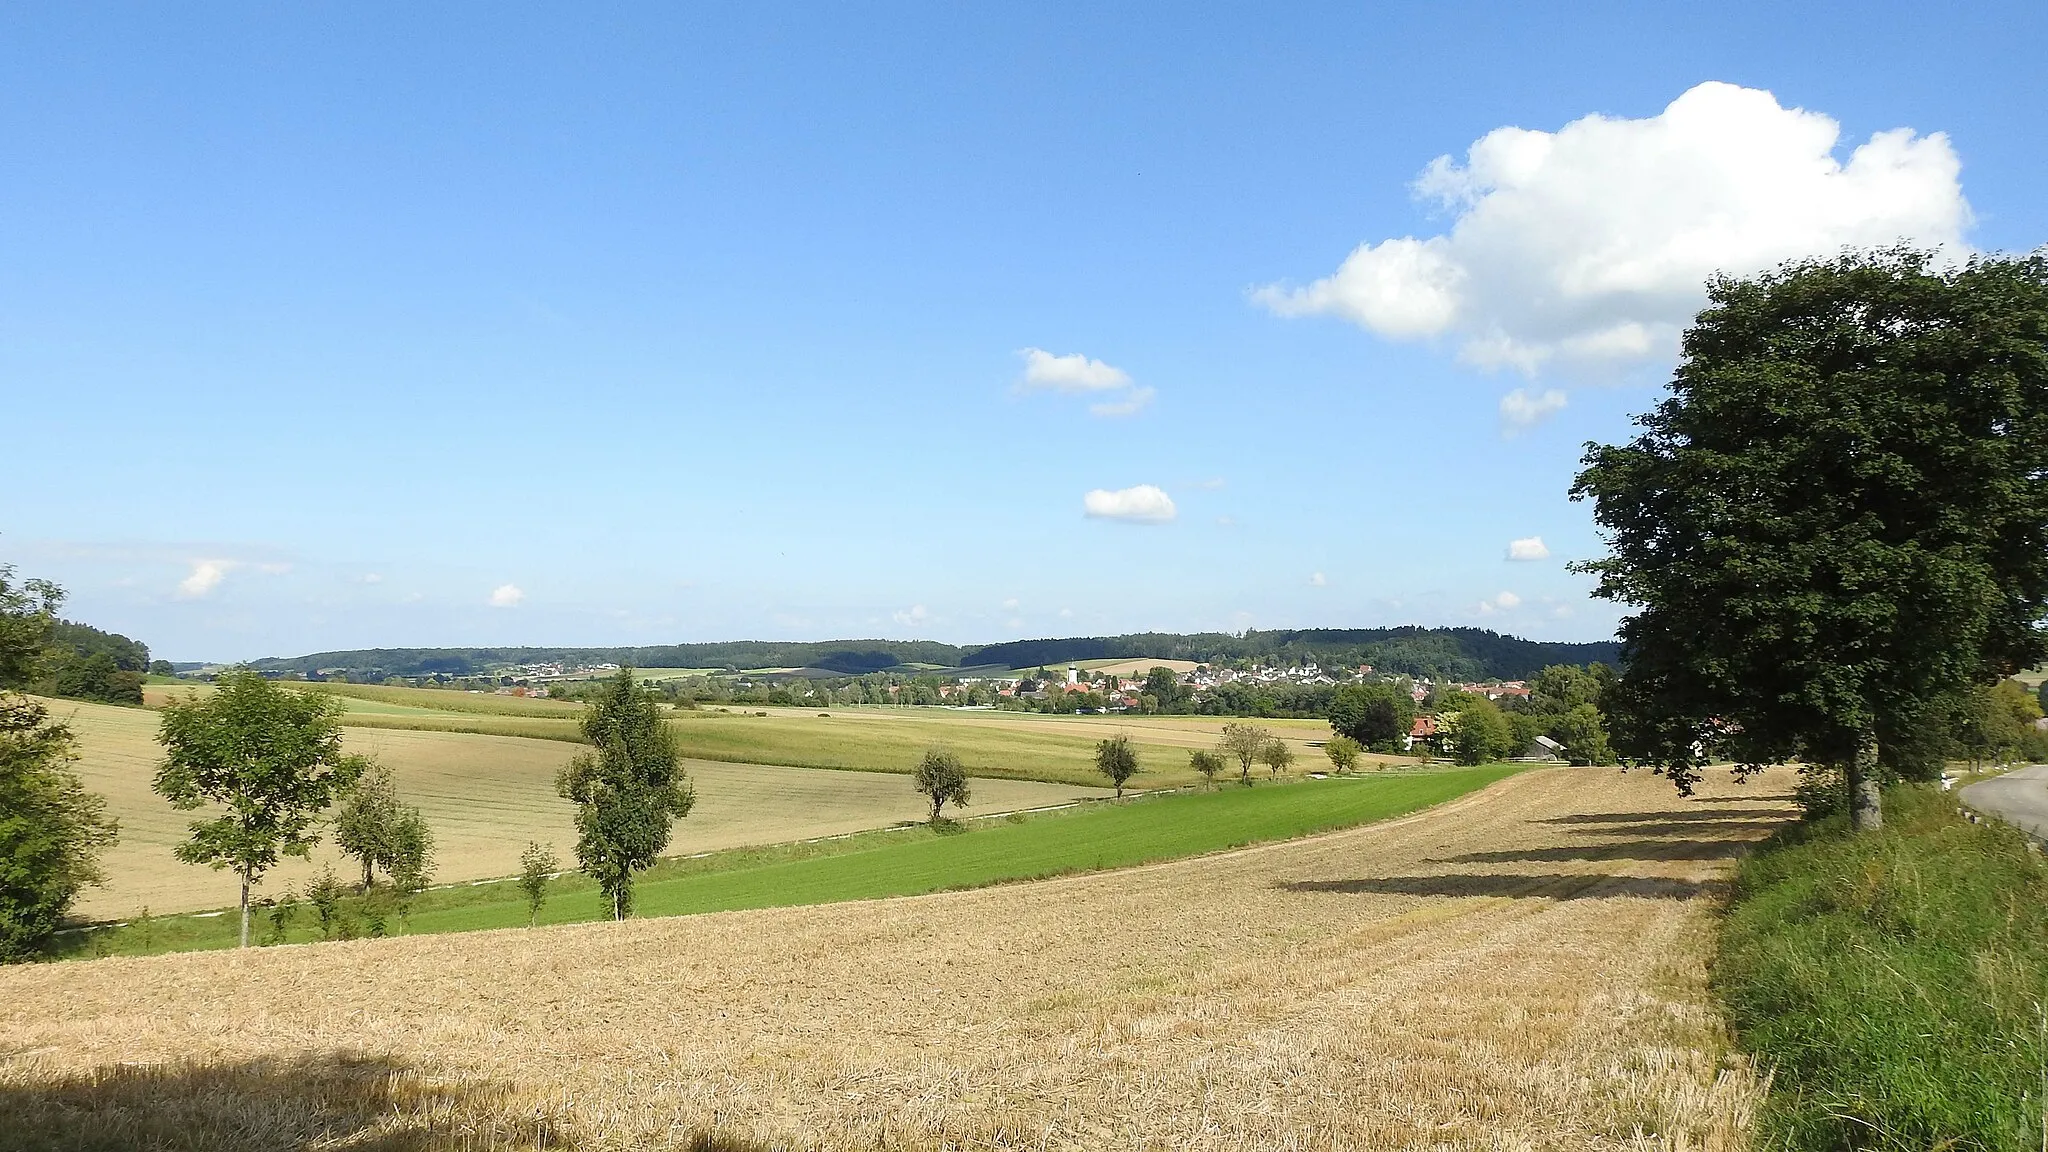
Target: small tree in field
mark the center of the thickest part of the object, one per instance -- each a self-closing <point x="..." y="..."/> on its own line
<point x="380" y="832"/>
<point x="271" y="759"/>
<point x="1276" y="756"/>
<point x="1118" y="760"/>
<point x="1244" y="741"/>
<point x="1343" y="753"/>
<point x="1209" y="764"/>
<point x="941" y="780"/>
<point x="629" y="789"/>
<point x="537" y="865"/>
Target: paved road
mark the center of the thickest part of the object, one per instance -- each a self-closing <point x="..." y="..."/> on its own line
<point x="2019" y="797"/>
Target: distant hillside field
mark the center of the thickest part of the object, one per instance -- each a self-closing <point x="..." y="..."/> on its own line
<point x="1460" y="653"/>
<point x="485" y="797"/>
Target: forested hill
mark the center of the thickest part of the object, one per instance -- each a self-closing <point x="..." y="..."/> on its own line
<point x="1459" y="653"/>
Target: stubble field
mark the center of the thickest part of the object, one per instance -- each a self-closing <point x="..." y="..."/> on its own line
<point x="1520" y="969"/>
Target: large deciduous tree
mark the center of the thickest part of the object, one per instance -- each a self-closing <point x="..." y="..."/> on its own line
<point x="271" y="759"/>
<point x="1837" y="520"/>
<point x="51" y="829"/>
<point x="629" y="789"/>
<point x="1377" y="715"/>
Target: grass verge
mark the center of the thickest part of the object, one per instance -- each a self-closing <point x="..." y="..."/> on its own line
<point x="895" y="862"/>
<point x="1895" y="982"/>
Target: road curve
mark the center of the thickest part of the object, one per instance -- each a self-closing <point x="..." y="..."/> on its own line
<point x="2019" y="798"/>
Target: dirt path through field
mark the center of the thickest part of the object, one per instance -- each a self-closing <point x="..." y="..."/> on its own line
<point x="1522" y="968"/>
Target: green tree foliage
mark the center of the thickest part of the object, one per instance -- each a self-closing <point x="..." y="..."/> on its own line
<point x="1835" y="520"/>
<point x="28" y="617"/>
<point x="1208" y="764"/>
<point x="1377" y="715"/>
<point x="1166" y="690"/>
<point x="629" y="789"/>
<point x="1276" y="756"/>
<point x="161" y="668"/>
<point x="537" y="865"/>
<point x="1343" y="752"/>
<point x="1481" y="733"/>
<point x="1562" y="687"/>
<point x="1245" y="742"/>
<point x="373" y="826"/>
<point x="1584" y="735"/>
<point x="941" y="780"/>
<point x="92" y="677"/>
<point x="51" y="829"/>
<point x="1997" y="723"/>
<point x="1117" y="759"/>
<point x="270" y="759"/>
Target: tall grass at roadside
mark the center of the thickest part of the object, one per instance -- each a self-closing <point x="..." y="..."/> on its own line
<point x="1896" y="982"/>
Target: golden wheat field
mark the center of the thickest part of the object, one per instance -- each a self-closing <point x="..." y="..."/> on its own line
<point x="1519" y="969"/>
<point x="485" y="797"/>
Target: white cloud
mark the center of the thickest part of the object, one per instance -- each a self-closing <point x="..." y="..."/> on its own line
<point x="1505" y="602"/>
<point x="1528" y="548"/>
<point x="1066" y="613"/>
<point x="1522" y="409"/>
<point x="1011" y="604"/>
<point x="1076" y="375"/>
<point x="206" y="575"/>
<point x="912" y="617"/>
<point x="1132" y="403"/>
<point x="1143" y="504"/>
<point x="373" y="578"/>
<point x="1591" y="245"/>
<point x="506" y="596"/>
<point x="1316" y="580"/>
<point x="1070" y="374"/>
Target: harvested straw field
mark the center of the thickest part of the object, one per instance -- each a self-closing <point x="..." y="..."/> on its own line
<point x="1519" y="969"/>
<point x="485" y="797"/>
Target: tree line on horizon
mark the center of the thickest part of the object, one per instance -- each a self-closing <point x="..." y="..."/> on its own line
<point x="1452" y="653"/>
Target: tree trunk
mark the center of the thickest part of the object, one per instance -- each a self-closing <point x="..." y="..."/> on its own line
<point x="1866" y="801"/>
<point x="245" y="910"/>
<point x="615" y="907"/>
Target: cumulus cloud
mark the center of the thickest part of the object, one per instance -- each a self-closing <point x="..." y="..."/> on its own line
<point x="205" y="576"/>
<point x="373" y="578"/>
<point x="1504" y="602"/>
<point x="911" y="617"/>
<point x="1132" y="402"/>
<point x="1143" y="504"/>
<point x="1076" y="375"/>
<point x="1528" y="548"/>
<point x="1523" y="409"/>
<point x="506" y="596"/>
<point x="1590" y="245"/>
<point x="1316" y="580"/>
<point x="1011" y="603"/>
<point x="1070" y="374"/>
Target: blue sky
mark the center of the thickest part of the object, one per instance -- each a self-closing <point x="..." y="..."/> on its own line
<point x="329" y="326"/>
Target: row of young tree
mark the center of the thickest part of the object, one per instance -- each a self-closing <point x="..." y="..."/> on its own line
<point x="268" y="767"/>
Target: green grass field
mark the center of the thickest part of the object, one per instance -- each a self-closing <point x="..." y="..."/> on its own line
<point x="1896" y="982"/>
<point x="902" y="862"/>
